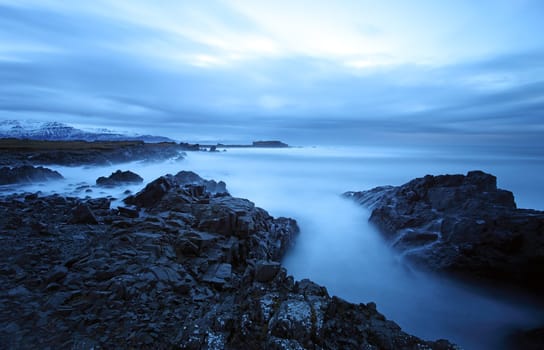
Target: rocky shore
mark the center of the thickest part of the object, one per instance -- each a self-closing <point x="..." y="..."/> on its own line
<point x="183" y="265"/>
<point x="461" y="225"/>
<point x="15" y="152"/>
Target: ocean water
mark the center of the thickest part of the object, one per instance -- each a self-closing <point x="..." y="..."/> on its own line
<point x="337" y="247"/>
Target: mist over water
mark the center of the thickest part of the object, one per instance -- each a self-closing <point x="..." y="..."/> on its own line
<point x="337" y="247"/>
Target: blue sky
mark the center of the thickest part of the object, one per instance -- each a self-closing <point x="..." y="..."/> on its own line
<point x="304" y="71"/>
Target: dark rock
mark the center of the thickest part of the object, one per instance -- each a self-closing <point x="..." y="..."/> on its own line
<point x="190" y="178"/>
<point x="58" y="273"/>
<point x="528" y="340"/>
<point x="187" y="273"/>
<point x="82" y="214"/>
<point x="128" y="212"/>
<point x="151" y="194"/>
<point x="462" y="225"/>
<point x="99" y="203"/>
<point x="218" y="274"/>
<point x="27" y="174"/>
<point x="118" y="178"/>
<point x="266" y="270"/>
<point x="293" y="321"/>
<point x="189" y="147"/>
<point x="270" y="144"/>
<point x="307" y="287"/>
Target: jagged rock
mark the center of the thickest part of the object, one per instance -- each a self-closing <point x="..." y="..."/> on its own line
<point x="82" y="214"/>
<point x="27" y="174"/>
<point x="462" y="225"/>
<point x="191" y="178"/>
<point x="119" y="178"/>
<point x="293" y="320"/>
<point x="266" y="270"/>
<point x="151" y="194"/>
<point x="168" y="278"/>
<point x="218" y="274"/>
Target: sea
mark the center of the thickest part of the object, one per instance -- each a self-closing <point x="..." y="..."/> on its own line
<point x="337" y="247"/>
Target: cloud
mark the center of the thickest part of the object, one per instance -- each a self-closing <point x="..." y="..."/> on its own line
<point x="329" y="70"/>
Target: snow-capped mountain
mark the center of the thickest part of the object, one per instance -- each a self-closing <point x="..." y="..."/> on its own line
<point x="55" y="131"/>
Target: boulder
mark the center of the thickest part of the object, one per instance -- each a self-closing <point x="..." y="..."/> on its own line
<point x="27" y="174"/>
<point x="462" y="225"/>
<point x="191" y="178"/>
<point x="118" y="178"/>
<point x="151" y="194"/>
<point x="266" y="270"/>
<point x="187" y="181"/>
<point x="82" y="214"/>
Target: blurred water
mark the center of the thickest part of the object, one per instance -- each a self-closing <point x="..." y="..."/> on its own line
<point x="337" y="247"/>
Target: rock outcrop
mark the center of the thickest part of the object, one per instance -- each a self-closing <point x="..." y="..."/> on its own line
<point x="182" y="268"/>
<point x="191" y="178"/>
<point x="462" y="225"/>
<point x="27" y="174"/>
<point x="118" y="178"/>
<point x="269" y="144"/>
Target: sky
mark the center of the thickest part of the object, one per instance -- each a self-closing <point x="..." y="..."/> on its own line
<point x="307" y="72"/>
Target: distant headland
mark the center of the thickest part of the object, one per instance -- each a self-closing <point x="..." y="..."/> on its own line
<point x="254" y="144"/>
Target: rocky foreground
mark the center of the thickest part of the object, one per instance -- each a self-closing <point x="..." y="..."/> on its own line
<point x="184" y="265"/>
<point x="462" y="225"/>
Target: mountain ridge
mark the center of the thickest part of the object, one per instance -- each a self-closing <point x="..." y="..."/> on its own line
<point x="56" y="131"/>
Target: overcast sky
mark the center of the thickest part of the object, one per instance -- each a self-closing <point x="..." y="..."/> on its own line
<point x="303" y="71"/>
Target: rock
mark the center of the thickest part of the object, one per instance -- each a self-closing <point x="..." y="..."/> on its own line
<point x="266" y="270"/>
<point x="118" y="178"/>
<point x="193" y="271"/>
<point x="461" y="225"/>
<point x="151" y="194"/>
<point x="269" y="144"/>
<point x="190" y="178"/>
<point x="293" y="320"/>
<point x="58" y="273"/>
<point x="128" y="212"/>
<point x="27" y="174"/>
<point x="189" y="147"/>
<point x="82" y="214"/>
<point x="218" y="274"/>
